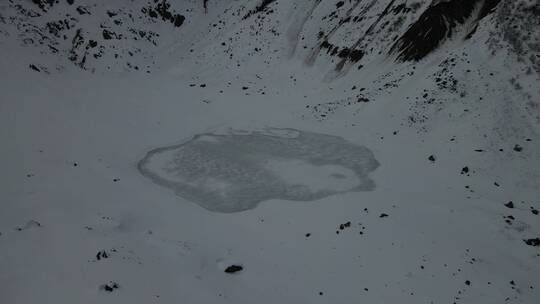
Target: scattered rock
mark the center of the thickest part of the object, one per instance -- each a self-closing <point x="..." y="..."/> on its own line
<point x="383" y="215"/>
<point x="432" y="158"/>
<point x="510" y="205"/>
<point x="110" y="287"/>
<point x="34" y="67"/>
<point x="102" y="255"/>
<point x="234" y="269"/>
<point x="343" y="226"/>
<point x="533" y="242"/>
<point x="518" y="148"/>
<point x="30" y="224"/>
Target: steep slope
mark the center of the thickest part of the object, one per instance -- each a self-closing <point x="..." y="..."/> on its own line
<point x="305" y="151"/>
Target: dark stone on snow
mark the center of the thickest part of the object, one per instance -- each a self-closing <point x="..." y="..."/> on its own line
<point x="102" y="255"/>
<point x="510" y="205"/>
<point x="179" y="20"/>
<point x="35" y="68"/>
<point x="533" y="242"/>
<point x="234" y="268"/>
<point x="260" y="8"/>
<point x="107" y="35"/>
<point x="110" y="287"/>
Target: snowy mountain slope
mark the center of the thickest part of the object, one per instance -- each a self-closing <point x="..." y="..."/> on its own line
<point x="455" y="132"/>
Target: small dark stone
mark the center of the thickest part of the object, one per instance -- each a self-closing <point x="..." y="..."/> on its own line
<point x="102" y="255"/>
<point x="234" y="268"/>
<point x="468" y="283"/>
<point x="465" y="170"/>
<point x="83" y="11"/>
<point x="533" y="242"/>
<point x="107" y="35"/>
<point x="110" y="287"/>
<point x="510" y="205"/>
<point x="179" y="20"/>
<point x="534" y="211"/>
<point x="431" y="158"/>
<point x="35" y="68"/>
<point x="383" y="215"/>
<point x="518" y="148"/>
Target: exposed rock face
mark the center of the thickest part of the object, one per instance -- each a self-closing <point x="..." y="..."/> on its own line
<point x="440" y="21"/>
<point x="90" y="35"/>
<point x="347" y="33"/>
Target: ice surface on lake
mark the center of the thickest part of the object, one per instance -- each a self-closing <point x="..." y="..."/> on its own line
<point x="235" y="171"/>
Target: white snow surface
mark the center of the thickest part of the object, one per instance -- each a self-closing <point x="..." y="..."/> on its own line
<point x="428" y="232"/>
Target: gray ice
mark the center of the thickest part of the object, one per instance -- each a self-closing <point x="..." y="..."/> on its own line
<point x="236" y="171"/>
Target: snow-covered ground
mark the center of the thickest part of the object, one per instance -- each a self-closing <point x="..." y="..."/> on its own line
<point x="79" y="223"/>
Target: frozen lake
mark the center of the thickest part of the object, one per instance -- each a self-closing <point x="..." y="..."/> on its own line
<point x="235" y="171"/>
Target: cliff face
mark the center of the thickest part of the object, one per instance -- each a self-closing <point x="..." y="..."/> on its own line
<point x="440" y="21"/>
<point x="86" y="32"/>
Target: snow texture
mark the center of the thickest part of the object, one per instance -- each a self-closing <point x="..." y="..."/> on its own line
<point x="235" y="172"/>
